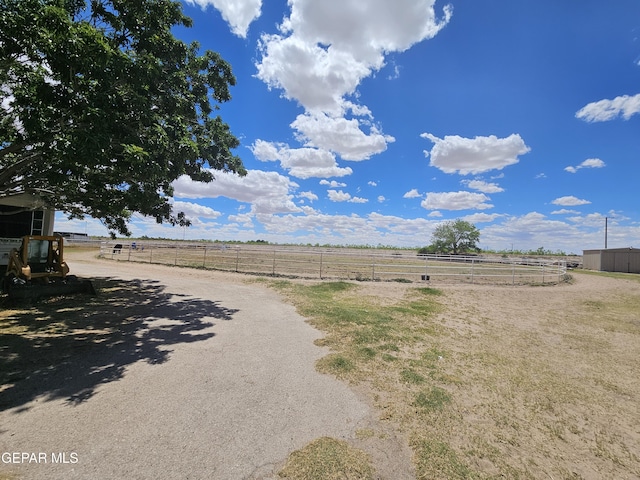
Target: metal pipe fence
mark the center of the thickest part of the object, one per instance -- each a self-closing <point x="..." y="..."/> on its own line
<point x="340" y="264"/>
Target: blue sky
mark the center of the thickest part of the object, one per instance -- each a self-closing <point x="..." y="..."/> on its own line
<point x="371" y="122"/>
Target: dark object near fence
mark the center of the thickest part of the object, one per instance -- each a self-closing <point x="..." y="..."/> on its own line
<point x="425" y="278"/>
<point x="117" y="248"/>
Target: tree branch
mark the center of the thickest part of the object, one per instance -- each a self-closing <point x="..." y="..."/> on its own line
<point x="13" y="148"/>
<point x="17" y="167"/>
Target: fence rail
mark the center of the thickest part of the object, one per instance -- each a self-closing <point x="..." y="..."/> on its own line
<point x="353" y="264"/>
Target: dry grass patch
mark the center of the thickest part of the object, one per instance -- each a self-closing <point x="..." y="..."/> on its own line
<point x="8" y="476"/>
<point x="328" y="459"/>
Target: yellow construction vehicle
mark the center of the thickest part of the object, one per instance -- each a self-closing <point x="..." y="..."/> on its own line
<point x="38" y="269"/>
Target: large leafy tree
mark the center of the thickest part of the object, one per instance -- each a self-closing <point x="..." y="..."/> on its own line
<point x="102" y="108"/>
<point x="457" y="236"/>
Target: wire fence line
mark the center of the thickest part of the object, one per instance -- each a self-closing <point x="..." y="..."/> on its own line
<point x="341" y="264"/>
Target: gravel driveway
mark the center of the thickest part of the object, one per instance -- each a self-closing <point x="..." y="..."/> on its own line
<point x="229" y="401"/>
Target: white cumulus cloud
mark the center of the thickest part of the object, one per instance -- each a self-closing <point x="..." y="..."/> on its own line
<point x="570" y="201"/>
<point x="340" y="135"/>
<point x="605" y="110"/>
<point x="456" y="201"/>
<point x="194" y="210"/>
<point x="483" y="186"/>
<point x="267" y="192"/>
<point x="320" y="56"/>
<point x="564" y="211"/>
<point x="481" y="217"/>
<point x="308" y="195"/>
<point x="237" y="13"/>
<point x="340" y="196"/>
<point x="300" y="162"/>
<point x="317" y="78"/>
<point x="413" y="193"/>
<point x="589" y="163"/>
<point x="332" y="183"/>
<point x="455" y="154"/>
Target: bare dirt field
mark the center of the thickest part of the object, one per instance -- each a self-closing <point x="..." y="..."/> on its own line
<point x="501" y="382"/>
<point x="544" y="380"/>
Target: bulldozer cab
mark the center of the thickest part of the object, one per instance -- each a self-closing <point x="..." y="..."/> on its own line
<point x="38" y="257"/>
<point x="38" y="269"/>
<point x="43" y="255"/>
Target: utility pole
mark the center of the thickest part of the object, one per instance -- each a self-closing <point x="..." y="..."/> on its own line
<point x="606" y="232"/>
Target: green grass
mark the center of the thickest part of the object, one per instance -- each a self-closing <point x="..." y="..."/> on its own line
<point x="437" y="460"/>
<point x="431" y="400"/>
<point x="359" y="328"/>
<point x="336" y="364"/>
<point x="393" y="347"/>
<point x="411" y="376"/>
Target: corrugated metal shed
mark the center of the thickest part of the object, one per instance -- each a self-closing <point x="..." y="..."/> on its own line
<point x="625" y="260"/>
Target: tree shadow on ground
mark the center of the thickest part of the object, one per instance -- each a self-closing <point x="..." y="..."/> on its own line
<point x="65" y="347"/>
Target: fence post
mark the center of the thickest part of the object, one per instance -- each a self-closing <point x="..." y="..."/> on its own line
<point x="175" y="262"/>
<point x="273" y="270"/>
<point x="320" y="265"/>
<point x="513" y="272"/>
<point x="204" y="259"/>
<point x="426" y="267"/>
<point x="543" y="272"/>
<point x="373" y="268"/>
<point x="237" y="256"/>
<point x="473" y="263"/>
<point x="150" y="254"/>
<point x="129" y="255"/>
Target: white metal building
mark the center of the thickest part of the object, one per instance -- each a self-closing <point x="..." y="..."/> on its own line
<point x="625" y="260"/>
